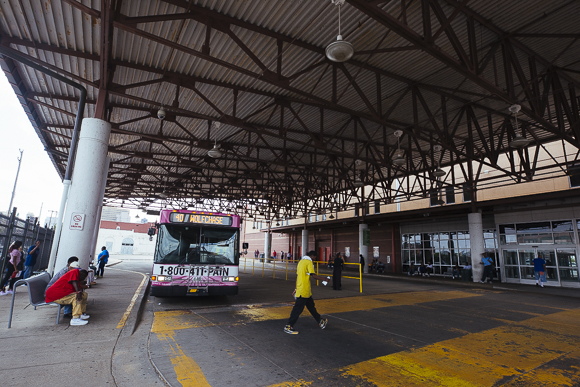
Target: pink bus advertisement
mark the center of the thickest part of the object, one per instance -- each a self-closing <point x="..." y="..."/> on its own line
<point x="196" y="254"/>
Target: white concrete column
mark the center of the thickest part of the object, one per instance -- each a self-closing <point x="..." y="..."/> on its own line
<point x="304" y="243"/>
<point x="99" y="211"/>
<point x="80" y="216"/>
<point x="476" y="243"/>
<point x="364" y="250"/>
<point x="267" y="243"/>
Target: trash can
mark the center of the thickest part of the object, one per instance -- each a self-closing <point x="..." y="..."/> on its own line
<point x="466" y="275"/>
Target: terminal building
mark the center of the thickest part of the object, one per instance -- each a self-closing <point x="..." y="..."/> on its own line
<point x="403" y="131"/>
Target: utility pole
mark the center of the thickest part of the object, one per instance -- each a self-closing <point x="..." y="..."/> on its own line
<point x="15" y="181"/>
<point x="51" y="217"/>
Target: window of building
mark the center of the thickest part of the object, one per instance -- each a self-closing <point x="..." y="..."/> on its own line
<point x="449" y="194"/>
<point x="442" y="249"/>
<point x="377" y="206"/>
<point x="573" y="172"/>
<point x="433" y="198"/>
<point x="356" y="208"/>
<point x="535" y="233"/>
<point x="367" y="208"/>
<point x="467" y="194"/>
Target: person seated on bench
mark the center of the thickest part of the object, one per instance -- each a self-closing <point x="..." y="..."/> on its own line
<point x="380" y="267"/>
<point x="69" y="289"/>
<point x="456" y="272"/>
<point x="73" y="262"/>
<point x="423" y="270"/>
<point x="412" y="270"/>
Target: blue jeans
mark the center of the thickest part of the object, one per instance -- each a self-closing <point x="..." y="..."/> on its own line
<point x="67" y="309"/>
<point x="538" y="275"/>
<point x="27" y="272"/>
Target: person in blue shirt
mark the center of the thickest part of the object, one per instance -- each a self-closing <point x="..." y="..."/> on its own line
<point x="487" y="263"/>
<point x="31" y="259"/>
<point x="103" y="259"/>
<point x="540" y="271"/>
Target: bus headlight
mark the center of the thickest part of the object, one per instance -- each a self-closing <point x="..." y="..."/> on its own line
<point x="163" y="278"/>
<point x="230" y="279"/>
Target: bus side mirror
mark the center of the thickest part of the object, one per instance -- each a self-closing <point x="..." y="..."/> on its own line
<point x="245" y="245"/>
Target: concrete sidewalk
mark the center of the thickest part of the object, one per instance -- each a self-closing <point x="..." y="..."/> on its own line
<point x="37" y="352"/>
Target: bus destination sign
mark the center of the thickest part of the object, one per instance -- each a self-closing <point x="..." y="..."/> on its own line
<point x="178" y="217"/>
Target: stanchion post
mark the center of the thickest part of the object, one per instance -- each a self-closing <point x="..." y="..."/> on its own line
<point x="360" y="276"/>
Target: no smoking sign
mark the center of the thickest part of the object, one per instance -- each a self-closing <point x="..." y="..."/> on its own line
<point x="77" y="221"/>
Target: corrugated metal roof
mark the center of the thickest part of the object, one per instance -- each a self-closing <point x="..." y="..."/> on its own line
<point x="331" y="113"/>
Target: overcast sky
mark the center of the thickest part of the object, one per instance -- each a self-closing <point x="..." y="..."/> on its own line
<point x="38" y="182"/>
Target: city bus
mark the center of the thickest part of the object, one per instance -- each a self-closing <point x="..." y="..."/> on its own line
<point x="196" y="254"/>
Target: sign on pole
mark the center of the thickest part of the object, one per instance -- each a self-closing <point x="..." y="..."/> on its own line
<point x="77" y="221"/>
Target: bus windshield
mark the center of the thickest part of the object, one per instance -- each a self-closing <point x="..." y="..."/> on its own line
<point x="187" y="244"/>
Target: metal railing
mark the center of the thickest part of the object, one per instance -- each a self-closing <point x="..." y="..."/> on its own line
<point x="289" y="266"/>
<point x="28" y="231"/>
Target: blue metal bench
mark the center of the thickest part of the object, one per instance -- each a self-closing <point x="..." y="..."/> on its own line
<point x="36" y="286"/>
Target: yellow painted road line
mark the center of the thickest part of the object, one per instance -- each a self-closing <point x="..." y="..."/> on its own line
<point x="173" y="320"/>
<point x="185" y="319"/>
<point x="130" y="307"/>
<point x="541" y="351"/>
<point x="165" y="323"/>
<point x="188" y="373"/>
<point x="351" y="304"/>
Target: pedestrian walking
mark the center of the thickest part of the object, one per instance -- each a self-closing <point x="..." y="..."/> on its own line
<point x="540" y="271"/>
<point x="11" y="266"/>
<point x="31" y="259"/>
<point x="337" y="272"/>
<point x="303" y="293"/>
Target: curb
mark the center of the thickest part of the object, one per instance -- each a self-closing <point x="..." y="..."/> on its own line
<point x="135" y="316"/>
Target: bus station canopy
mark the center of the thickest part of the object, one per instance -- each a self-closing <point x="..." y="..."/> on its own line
<point x="256" y="115"/>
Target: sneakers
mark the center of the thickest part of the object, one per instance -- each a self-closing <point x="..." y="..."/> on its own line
<point x="322" y="323"/>
<point x="481" y="282"/>
<point x="288" y="329"/>
<point x="9" y="292"/>
<point x="78" y="321"/>
<point x="85" y="316"/>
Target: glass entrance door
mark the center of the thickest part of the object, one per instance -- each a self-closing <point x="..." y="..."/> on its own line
<point x="568" y="266"/>
<point x="561" y="264"/>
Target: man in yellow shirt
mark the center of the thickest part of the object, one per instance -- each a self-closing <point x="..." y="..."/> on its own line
<point x="303" y="293"/>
